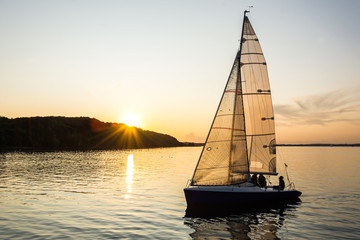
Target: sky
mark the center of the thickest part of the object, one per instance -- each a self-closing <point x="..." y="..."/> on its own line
<point x="167" y="62"/>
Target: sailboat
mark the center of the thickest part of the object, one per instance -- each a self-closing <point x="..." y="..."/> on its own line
<point x="241" y="141"/>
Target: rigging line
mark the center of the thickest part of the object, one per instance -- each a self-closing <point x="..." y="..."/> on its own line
<point x="282" y="161"/>
<point x="231" y="153"/>
<point x="239" y="84"/>
<point x="251" y="145"/>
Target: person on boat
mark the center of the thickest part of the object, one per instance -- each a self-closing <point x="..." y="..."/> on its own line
<point x="281" y="183"/>
<point x="253" y="179"/>
<point x="262" y="181"/>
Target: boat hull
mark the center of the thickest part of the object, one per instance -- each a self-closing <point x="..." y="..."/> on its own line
<point x="218" y="201"/>
<point x="204" y="196"/>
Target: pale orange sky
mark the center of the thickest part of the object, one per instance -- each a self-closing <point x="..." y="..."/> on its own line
<point x="168" y="61"/>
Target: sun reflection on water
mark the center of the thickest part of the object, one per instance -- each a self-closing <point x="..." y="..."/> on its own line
<point x="129" y="173"/>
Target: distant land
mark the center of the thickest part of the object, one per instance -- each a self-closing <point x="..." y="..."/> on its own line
<point x="320" y="145"/>
<point x="84" y="133"/>
<point x="77" y="133"/>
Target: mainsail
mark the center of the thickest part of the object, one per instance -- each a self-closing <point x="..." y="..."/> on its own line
<point x="242" y="137"/>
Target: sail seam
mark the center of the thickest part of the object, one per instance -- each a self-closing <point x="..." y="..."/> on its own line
<point x="252" y="53"/>
<point x="263" y="63"/>
<point x="233" y="129"/>
<point x="223" y="167"/>
<point x="257" y="93"/>
<point x="237" y="114"/>
<point x="232" y="91"/>
<point x="235" y="91"/>
<point x="258" y="135"/>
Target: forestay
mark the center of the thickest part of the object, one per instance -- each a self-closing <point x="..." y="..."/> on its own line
<point x="242" y="136"/>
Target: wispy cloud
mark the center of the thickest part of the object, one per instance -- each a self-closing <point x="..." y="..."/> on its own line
<point x="321" y="109"/>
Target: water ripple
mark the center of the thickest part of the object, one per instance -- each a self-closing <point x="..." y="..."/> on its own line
<point x="110" y="195"/>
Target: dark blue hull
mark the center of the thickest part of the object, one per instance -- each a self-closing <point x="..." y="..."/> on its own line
<point x="237" y="201"/>
<point x="203" y="196"/>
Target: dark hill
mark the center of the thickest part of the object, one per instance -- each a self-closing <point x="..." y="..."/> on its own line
<point x="80" y="133"/>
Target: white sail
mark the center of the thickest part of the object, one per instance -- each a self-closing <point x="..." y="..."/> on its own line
<point x="242" y="136"/>
<point x="259" y="115"/>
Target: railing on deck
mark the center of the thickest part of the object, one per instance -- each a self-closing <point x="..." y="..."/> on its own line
<point x="291" y="186"/>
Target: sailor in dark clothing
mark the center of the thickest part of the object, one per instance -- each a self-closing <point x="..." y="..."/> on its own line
<point x="253" y="179"/>
<point x="281" y="183"/>
<point x="262" y="181"/>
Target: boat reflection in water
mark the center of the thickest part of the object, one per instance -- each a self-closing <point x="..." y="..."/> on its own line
<point x="251" y="225"/>
<point x="130" y="174"/>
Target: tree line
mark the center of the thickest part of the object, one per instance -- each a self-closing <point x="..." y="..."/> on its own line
<point x="76" y="133"/>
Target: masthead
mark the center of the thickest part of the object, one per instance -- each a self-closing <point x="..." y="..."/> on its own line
<point x="246" y="11"/>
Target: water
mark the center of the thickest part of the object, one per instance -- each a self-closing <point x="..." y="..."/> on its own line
<point x="138" y="194"/>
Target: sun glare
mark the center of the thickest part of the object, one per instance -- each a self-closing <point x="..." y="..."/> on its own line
<point x="131" y="120"/>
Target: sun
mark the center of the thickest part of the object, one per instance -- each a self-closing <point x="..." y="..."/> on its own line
<point x="131" y="120"/>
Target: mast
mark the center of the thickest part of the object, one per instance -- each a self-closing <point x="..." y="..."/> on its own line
<point x="242" y="99"/>
<point x="238" y="87"/>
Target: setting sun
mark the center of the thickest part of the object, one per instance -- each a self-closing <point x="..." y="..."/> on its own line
<point x="131" y="120"/>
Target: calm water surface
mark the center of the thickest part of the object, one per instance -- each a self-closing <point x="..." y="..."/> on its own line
<point x="138" y="194"/>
